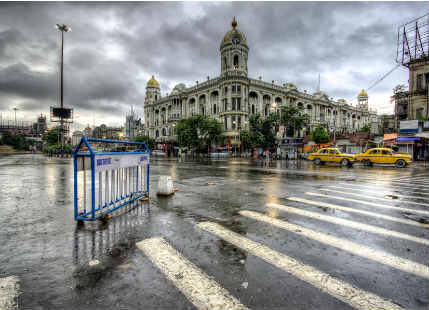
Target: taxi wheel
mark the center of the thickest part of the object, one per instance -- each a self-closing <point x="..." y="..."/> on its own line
<point x="345" y="162"/>
<point x="367" y="162"/>
<point x="317" y="161"/>
<point x="400" y="163"/>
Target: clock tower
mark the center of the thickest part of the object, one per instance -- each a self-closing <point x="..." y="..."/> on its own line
<point x="234" y="52"/>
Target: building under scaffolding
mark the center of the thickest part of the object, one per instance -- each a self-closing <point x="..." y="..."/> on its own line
<point x="413" y="53"/>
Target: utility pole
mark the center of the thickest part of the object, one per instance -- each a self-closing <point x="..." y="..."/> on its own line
<point x="63" y="28"/>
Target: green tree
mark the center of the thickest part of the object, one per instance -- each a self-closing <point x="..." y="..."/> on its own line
<point x="246" y="139"/>
<point x="269" y="128"/>
<point x="52" y="136"/>
<point x="365" y="128"/>
<point x="211" y="131"/>
<point x="18" y="141"/>
<point x="263" y="131"/>
<point x="149" y="141"/>
<point x="198" y="132"/>
<point x="294" y="119"/>
<point x="319" y="135"/>
<point x="399" y="88"/>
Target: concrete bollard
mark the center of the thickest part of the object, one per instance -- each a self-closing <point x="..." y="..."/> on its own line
<point x="165" y="185"/>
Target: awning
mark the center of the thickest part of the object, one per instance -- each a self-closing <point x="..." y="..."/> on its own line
<point x="390" y="136"/>
<point x="423" y="135"/>
<point x="407" y="139"/>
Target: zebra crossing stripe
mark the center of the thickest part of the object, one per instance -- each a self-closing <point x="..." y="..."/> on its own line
<point x="9" y="289"/>
<point x="345" y="245"/>
<point x="368" y="213"/>
<point x="378" y="198"/>
<point x="413" y="184"/>
<point x="348" y="223"/>
<point x="200" y="289"/>
<point x="371" y="186"/>
<point x="418" y="187"/>
<point x="377" y="192"/>
<point x="355" y="297"/>
<point x="370" y="203"/>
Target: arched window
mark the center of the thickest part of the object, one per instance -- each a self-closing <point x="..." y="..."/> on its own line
<point x="164" y="133"/>
<point x="236" y="61"/>
<point x="157" y="133"/>
<point x="300" y="105"/>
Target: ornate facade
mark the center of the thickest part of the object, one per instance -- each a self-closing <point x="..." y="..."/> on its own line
<point x="233" y="96"/>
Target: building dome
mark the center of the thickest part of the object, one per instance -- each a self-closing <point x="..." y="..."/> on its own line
<point x="178" y="89"/>
<point x="363" y="93"/>
<point x="233" y="34"/>
<point x="153" y="82"/>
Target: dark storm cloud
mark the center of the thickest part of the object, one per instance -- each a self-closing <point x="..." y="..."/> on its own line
<point x="18" y="80"/>
<point x="115" y="47"/>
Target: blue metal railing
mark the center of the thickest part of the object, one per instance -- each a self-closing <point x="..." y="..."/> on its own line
<point x="123" y="177"/>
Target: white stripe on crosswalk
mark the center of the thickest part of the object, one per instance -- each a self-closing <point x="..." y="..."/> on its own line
<point x="377" y="192"/>
<point x="9" y="290"/>
<point x="200" y="289"/>
<point x="370" y="203"/>
<point x="368" y="213"/>
<point x="419" y="187"/>
<point x="378" y="198"/>
<point x="355" y="297"/>
<point x="413" y="184"/>
<point x="371" y="186"/>
<point x="346" y="245"/>
<point x="348" y="223"/>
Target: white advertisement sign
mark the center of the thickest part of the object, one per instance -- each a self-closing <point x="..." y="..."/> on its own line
<point x="110" y="162"/>
<point x="414" y="124"/>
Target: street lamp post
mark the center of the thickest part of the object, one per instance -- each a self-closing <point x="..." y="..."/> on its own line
<point x="63" y="28"/>
<point x="16" y="125"/>
<point x="335" y="130"/>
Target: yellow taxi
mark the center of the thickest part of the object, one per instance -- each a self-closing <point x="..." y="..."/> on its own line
<point x="331" y="154"/>
<point x="383" y="155"/>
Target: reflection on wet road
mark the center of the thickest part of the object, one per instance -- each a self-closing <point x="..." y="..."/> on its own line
<point x="238" y="234"/>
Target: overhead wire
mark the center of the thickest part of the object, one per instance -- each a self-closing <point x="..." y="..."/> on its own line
<point x="380" y="79"/>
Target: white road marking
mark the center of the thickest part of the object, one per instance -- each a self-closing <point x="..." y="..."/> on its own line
<point x="378" y="198"/>
<point x="200" y="289"/>
<point x="348" y="223"/>
<point x="372" y="187"/>
<point x="355" y="297"/>
<point x="378" y="192"/>
<point x="370" y="203"/>
<point x="345" y="245"/>
<point x="368" y="213"/>
<point x="9" y="290"/>
<point x="413" y="184"/>
<point x="422" y="187"/>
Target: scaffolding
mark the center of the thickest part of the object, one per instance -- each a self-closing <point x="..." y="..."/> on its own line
<point x="413" y="41"/>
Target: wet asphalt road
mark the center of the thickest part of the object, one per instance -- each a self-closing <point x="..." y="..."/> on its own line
<point x="41" y="245"/>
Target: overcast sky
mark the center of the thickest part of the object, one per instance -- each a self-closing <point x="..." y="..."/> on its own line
<point x="114" y="48"/>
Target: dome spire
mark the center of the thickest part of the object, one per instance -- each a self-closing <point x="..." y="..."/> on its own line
<point x="234" y="23"/>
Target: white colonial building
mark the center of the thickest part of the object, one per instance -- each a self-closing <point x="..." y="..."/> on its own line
<point x="233" y="96"/>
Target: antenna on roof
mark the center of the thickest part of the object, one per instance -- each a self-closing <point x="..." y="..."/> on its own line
<point x="318" y="84"/>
